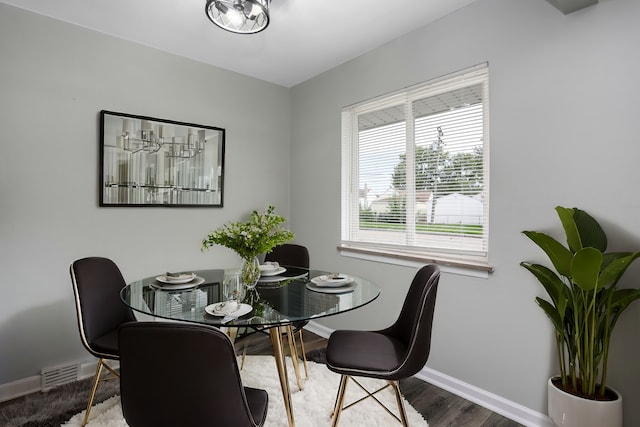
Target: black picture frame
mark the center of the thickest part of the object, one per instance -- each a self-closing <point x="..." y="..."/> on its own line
<point x="151" y="162"/>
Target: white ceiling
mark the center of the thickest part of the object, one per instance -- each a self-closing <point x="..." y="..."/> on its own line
<point x="304" y="38"/>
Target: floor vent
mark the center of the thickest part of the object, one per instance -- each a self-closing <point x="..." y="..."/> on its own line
<point x="53" y="377"/>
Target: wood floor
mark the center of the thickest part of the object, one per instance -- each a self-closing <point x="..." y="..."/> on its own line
<point x="439" y="407"/>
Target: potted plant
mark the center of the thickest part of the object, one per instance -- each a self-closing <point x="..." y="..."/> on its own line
<point x="259" y="235"/>
<point x="584" y="305"/>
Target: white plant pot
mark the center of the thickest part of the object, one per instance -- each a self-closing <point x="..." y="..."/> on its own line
<point x="567" y="410"/>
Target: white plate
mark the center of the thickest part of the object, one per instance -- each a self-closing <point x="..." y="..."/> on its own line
<point x="273" y="272"/>
<point x="175" y="280"/>
<point x="241" y="311"/>
<point x="327" y="282"/>
<point x="332" y="290"/>
<point x="178" y="286"/>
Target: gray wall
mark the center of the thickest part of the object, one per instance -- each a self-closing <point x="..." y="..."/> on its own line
<point x="564" y="104"/>
<point x="54" y="80"/>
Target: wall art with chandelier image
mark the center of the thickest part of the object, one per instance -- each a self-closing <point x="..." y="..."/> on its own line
<point x="146" y="161"/>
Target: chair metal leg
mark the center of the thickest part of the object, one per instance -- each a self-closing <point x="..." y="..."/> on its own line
<point x="339" y="405"/>
<point x="400" y="401"/>
<point x="372" y="396"/>
<point x="337" y="409"/>
<point x="96" y="379"/>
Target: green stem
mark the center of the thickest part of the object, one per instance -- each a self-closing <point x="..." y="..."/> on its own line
<point x="561" y="361"/>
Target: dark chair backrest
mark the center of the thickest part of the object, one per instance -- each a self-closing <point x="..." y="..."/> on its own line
<point x="178" y="374"/>
<point x="96" y="285"/>
<point x="289" y="254"/>
<point x="414" y="324"/>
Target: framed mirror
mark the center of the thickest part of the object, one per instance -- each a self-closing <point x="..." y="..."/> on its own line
<point x="146" y="161"/>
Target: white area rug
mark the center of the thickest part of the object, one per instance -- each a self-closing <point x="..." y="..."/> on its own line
<point x="311" y="407"/>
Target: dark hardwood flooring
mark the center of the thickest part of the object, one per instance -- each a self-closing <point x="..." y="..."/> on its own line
<point x="439" y="407"/>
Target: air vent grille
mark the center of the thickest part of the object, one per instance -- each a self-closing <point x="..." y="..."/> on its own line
<point x="53" y="377"/>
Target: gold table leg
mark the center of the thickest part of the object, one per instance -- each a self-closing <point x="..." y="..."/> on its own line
<point x="232" y="333"/>
<point x="293" y="349"/>
<point x="278" y="352"/>
<point x="304" y="354"/>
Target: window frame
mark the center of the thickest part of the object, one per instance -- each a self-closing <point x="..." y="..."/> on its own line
<point x="454" y="261"/>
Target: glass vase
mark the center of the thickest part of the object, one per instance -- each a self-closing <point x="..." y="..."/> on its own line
<point x="252" y="298"/>
<point x="250" y="272"/>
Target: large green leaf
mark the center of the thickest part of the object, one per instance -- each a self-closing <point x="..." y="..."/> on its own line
<point x="556" y="319"/>
<point x="608" y="258"/>
<point x="585" y="268"/>
<point x="571" y="232"/>
<point x="623" y="297"/>
<point x="614" y="266"/>
<point x="556" y="289"/>
<point x="591" y="234"/>
<point x="559" y="255"/>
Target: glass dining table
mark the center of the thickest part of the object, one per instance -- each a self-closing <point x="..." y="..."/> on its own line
<point x="295" y="295"/>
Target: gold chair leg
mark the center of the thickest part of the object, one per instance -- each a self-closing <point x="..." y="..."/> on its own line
<point x="339" y="405"/>
<point x="371" y="395"/>
<point x="114" y="373"/>
<point x="96" y="379"/>
<point x="304" y="354"/>
<point x="337" y="409"/>
<point x="400" y="401"/>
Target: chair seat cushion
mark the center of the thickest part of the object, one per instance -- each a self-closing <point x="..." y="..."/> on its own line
<point x="364" y="353"/>
<point x="106" y="346"/>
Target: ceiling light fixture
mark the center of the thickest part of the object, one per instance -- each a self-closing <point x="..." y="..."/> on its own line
<point x="239" y="16"/>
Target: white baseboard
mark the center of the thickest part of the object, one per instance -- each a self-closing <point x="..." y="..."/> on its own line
<point x="512" y="410"/>
<point x="19" y="388"/>
<point x="318" y="329"/>
<point x="507" y="408"/>
<point x="33" y="384"/>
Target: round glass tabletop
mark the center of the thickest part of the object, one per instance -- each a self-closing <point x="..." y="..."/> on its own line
<point x="292" y="296"/>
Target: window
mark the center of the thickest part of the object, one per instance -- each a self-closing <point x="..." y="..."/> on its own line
<point x="415" y="172"/>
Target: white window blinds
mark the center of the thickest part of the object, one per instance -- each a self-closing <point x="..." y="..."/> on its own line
<point x="415" y="170"/>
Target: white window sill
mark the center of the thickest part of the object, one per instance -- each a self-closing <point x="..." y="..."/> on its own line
<point x="446" y="264"/>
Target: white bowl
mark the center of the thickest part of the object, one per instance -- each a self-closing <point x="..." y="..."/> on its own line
<point x="269" y="266"/>
<point x="180" y="278"/>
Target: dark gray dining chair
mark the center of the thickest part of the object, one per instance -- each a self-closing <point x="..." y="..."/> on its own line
<point x="289" y="254"/>
<point x="179" y="374"/>
<point x="397" y="352"/>
<point x="96" y="286"/>
<point x="293" y="255"/>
